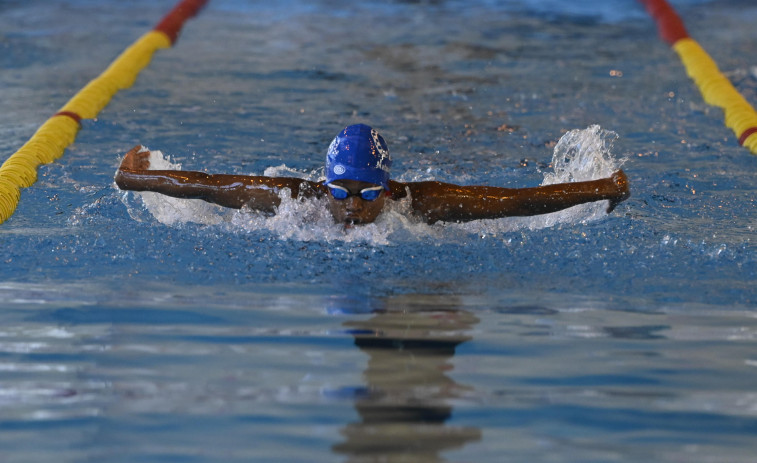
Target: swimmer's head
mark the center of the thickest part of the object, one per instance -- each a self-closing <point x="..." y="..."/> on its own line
<point x="358" y="153"/>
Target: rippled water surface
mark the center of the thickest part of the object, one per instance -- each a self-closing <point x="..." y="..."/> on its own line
<point x="138" y="329"/>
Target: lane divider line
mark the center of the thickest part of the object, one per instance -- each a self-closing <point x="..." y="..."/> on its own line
<point x="715" y="88"/>
<point x="59" y="131"/>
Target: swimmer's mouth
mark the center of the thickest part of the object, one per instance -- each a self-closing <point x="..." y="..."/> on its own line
<point x="350" y="221"/>
<point x="352" y="218"/>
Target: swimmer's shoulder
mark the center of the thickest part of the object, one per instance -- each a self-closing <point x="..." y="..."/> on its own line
<point x="397" y="190"/>
<point x="418" y="190"/>
<point x="310" y="189"/>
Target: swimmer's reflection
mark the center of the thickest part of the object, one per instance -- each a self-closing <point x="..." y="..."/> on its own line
<point x="406" y="402"/>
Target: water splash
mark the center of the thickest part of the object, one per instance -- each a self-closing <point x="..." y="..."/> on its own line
<point x="579" y="155"/>
<point x="583" y="155"/>
<point x="168" y="210"/>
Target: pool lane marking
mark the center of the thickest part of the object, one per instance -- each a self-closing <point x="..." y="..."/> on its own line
<point x="715" y="88"/>
<point x="59" y="131"/>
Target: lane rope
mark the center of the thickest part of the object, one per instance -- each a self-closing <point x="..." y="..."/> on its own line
<point x="59" y="131"/>
<point x="715" y="88"/>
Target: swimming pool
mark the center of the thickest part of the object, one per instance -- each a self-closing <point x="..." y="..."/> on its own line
<point x="583" y="337"/>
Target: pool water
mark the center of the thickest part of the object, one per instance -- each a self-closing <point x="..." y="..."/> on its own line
<point x="136" y="328"/>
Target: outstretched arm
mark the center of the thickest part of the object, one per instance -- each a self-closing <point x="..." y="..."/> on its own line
<point x="437" y="201"/>
<point x="235" y="191"/>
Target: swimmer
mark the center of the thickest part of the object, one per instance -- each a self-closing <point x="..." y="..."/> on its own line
<point x="358" y="187"/>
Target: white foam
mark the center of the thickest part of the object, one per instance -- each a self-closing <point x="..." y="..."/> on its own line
<point x="579" y="155"/>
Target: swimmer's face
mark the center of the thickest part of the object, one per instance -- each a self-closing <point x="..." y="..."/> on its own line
<point x="355" y="210"/>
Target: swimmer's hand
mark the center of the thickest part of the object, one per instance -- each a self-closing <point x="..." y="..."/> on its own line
<point x="137" y="158"/>
<point x="620" y="181"/>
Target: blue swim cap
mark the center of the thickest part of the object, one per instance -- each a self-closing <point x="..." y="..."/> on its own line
<point x="359" y="153"/>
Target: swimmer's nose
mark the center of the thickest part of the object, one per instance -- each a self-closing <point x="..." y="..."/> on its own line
<point x="354" y="204"/>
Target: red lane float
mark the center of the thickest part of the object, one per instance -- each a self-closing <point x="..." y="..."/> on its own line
<point x="57" y="133"/>
<point x="669" y="24"/>
<point x="172" y="23"/>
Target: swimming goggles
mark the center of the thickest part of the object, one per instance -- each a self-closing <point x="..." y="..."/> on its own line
<point x="367" y="194"/>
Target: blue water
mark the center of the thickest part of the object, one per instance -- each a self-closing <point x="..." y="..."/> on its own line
<point x="137" y="329"/>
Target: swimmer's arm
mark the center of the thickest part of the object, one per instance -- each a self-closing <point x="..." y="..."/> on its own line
<point x="437" y="201"/>
<point x="234" y="191"/>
